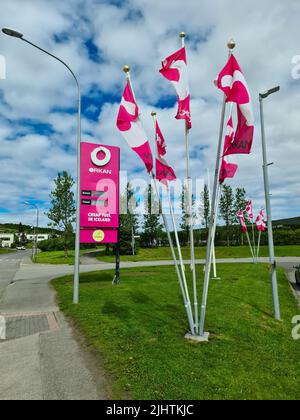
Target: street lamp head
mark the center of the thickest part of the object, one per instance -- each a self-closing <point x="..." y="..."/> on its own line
<point x="269" y="92"/>
<point x="11" y="32"/>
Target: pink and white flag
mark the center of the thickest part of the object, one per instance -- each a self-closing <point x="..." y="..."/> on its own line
<point x="228" y="170"/>
<point x="131" y="128"/>
<point x="229" y="137"/>
<point x="260" y="222"/>
<point x="174" y="68"/>
<point x="241" y="217"/>
<point x="249" y="209"/>
<point x="232" y="82"/>
<point x="164" y="172"/>
<point x="160" y="141"/>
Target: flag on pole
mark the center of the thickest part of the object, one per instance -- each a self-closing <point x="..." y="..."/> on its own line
<point x="164" y="172"/>
<point x="229" y="137"/>
<point x="232" y="82"/>
<point x="131" y="128"/>
<point x="249" y="209"/>
<point x="174" y="68"/>
<point x="228" y="170"/>
<point x="241" y="217"/>
<point x="160" y="141"/>
<point x="260" y="222"/>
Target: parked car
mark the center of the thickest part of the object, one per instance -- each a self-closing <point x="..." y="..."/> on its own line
<point x="20" y="248"/>
<point x="297" y="274"/>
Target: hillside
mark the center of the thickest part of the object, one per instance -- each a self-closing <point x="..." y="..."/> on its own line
<point x="294" y="221"/>
<point x="15" y="228"/>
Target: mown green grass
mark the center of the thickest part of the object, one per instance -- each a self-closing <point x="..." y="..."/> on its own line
<point x="137" y="329"/>
<point x="152" y="254"/>
<point x="56" y="257"/>
<point x="5" y="251"/>
<point x="160" y="254"/>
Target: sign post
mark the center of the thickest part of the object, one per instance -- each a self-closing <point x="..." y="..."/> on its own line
<point x="99" y="196"/>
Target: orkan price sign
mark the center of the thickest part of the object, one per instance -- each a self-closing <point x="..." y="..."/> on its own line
<point x="99" y="209"/>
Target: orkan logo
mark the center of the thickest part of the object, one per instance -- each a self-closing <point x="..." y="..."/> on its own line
<point x="100" y="161"/>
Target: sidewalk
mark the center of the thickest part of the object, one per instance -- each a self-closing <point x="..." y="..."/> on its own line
<point x="41" y="359"/>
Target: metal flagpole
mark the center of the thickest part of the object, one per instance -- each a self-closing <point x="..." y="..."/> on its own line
<point x="213" y="216"/>
<point x="190" y="211"/>
<point x="268" y="205"/>
<point x="213" y="247"/>
<point x="258" y="244"/>
<point x="186" y="291"/>
<point x="250" y="246"/>
<point x="253" y="236"/>
<point x="182" y="284"/>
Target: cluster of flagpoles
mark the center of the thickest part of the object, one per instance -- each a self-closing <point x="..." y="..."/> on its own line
<point x="237" y="141"/>
<point x="260" y="226"/>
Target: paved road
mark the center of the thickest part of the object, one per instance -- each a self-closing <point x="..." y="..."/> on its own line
<point x="50" y="364"/>
<point x="9" y="265"/>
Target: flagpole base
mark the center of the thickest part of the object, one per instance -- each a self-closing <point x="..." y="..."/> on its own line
<point x="197" y="338"/>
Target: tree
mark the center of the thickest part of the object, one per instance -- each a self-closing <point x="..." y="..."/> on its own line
<point x="62" y="211"/>
<point x="185" y="219"/>
<point x="240" y="203"/>
<point x="129" y="223"/>
<point x="227" y="209"/>
<point x="205" y="210"/>
<point x="151" y="224"/>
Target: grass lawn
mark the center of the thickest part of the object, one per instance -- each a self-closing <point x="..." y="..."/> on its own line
<point x="55" y="257"/>
<point x="58" y="257"/>
<point x="152" y="254"/>
<point x="6" y="251"/>
<point x="137" y="329"/>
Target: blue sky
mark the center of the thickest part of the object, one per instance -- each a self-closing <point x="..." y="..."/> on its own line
<point x="96" y="38"/>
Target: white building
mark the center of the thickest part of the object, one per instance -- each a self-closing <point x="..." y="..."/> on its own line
<point x="6" y="240"/>
<point x="40" y="237"/>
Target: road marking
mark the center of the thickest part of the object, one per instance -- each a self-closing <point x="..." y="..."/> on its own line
<point x="2" y="328"/>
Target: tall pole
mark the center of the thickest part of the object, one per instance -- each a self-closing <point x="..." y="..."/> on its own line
<point x="258" y="244"/>
<point x="269" y="214"/>
<point x="214" y="208"/>
<point x="20" y="36"/>
<point x="190" y="211"/>
<point x="253" y="237"/>
<point x="35" y="230"/>
<point x="77" y="232"/>
<point x="213" y="247"/>
<point x="250" y="246"/>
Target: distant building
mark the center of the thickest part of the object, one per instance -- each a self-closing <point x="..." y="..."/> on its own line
<point x="40" y="237"/>
<point x="31" y="237"/>
<point x="6" y="240"/>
